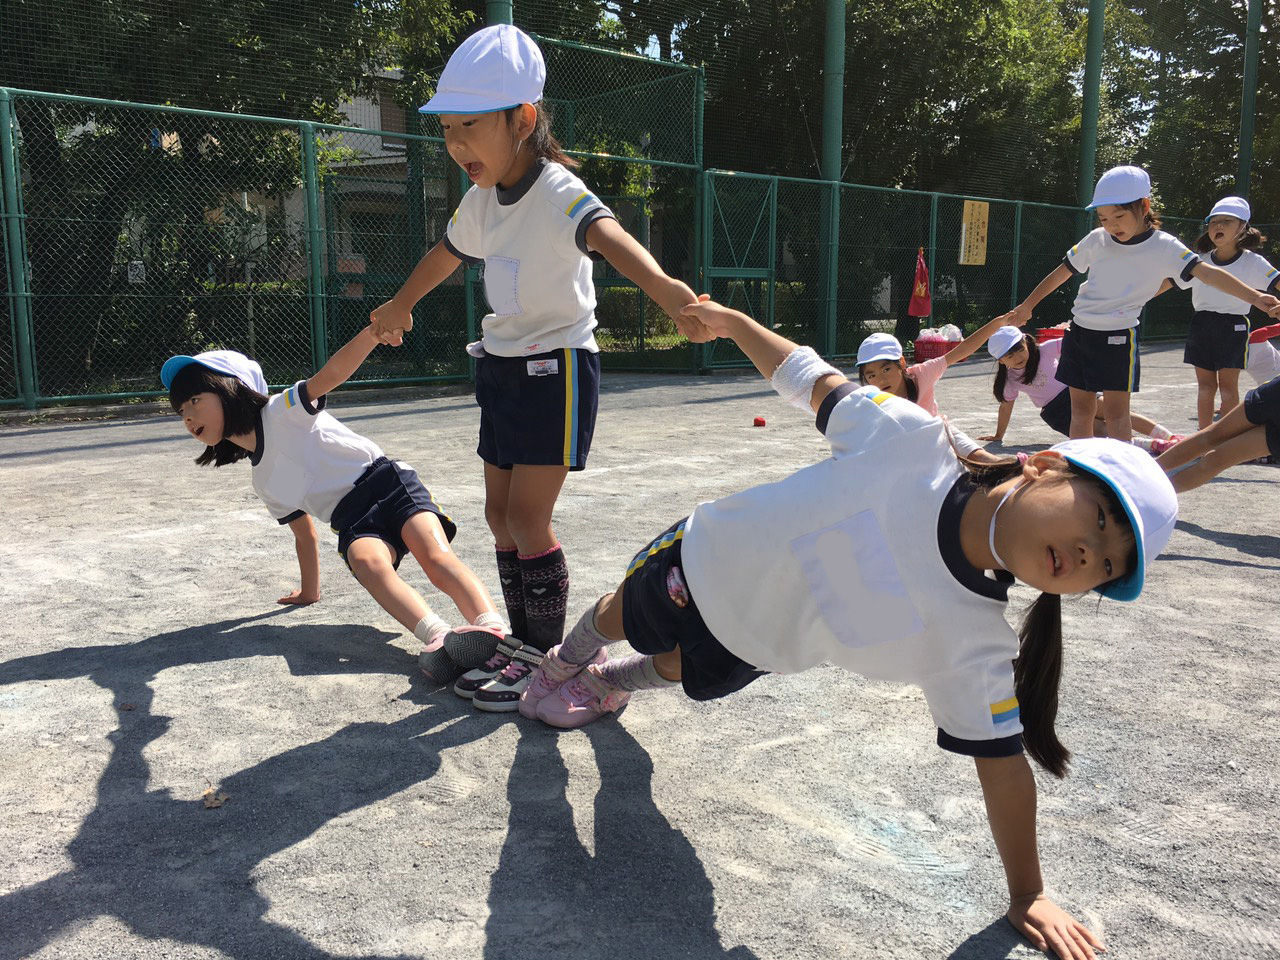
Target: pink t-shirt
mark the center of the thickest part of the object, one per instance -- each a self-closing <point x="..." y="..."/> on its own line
<point x="1046" y="385"/>
<point x="926" y="375"/>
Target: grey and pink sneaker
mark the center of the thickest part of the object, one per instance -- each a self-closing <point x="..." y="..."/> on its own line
<point x="469" y="646"/>
<point x="473" y="680"/>
<point x="553" y="671"/>
<point x="502" y="693"/>
<point x="436" y="664"/>
<point x="581" y="699"/>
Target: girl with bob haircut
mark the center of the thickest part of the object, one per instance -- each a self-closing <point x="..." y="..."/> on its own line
<point x="877" y="559"/>
<point x="537" y="228"/>
<point x="305" y="463"/>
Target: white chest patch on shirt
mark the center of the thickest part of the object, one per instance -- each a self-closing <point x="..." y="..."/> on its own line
<point x="855" y="582"/>
<point x="543" y="368"/>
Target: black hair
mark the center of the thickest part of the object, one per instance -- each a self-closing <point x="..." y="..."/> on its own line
<point x="913" y="391"/>
<point x="1147" y="216"/>
<point x="542" y="141"/>
<point x="241" y="408"/>
<point x="1251" y="239"/>
<point x="1028" y="372"/>
<point x="1037" y="671"/>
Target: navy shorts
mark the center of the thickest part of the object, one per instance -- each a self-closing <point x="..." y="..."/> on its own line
<point x="1217" y="341"/>
<point x="1261" y="407"/>
<point x="538" y="410"/>
<point x="1098" y="360"/>
<point x="658" y="615"/>
<point x="383" y="499"/>
<point x="1057" y="413"/>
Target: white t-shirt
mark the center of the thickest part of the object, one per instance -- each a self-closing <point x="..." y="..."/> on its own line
<point x="537" y="271"/>
<point x="842" y="561"/>
<point x="1247" y="267"/>
<point x="1124" y="276"/>
<point x="305" y="459"/>
<point x="1263" y="362"/>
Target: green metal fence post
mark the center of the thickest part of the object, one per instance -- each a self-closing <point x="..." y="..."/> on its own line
<point x="1017" y="249"/>
<point x="498" y="11"/>
<point x="833" y="272"/>
<point x="15" y="236"/>
<point x="1089" y="110"/>
<point x="315" y="260"/>
<point x="701" y="206"/>
<point x="933" y="236"/>
<point x="771" y="307"/>
<point x="1248" y="96"/>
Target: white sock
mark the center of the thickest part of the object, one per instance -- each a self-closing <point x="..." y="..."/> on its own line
<point x="431" y="628"/>
<point x="1160" y="432"/>
<point x="1143" y="442"/>
<point x="492" y="620"/>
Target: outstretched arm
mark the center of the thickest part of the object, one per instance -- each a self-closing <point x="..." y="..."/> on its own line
<point x="766" y="349"/>
<point x="1009" y="790"/>
<point x="1002" y="422"/>
<point x="966" y="347"/>
<point x="1022" y="312"/>
<point x="343" y="364"/>
<point x="307" y="545"/>
<point x="606" y="236"/>
<point x="1227" y="283"/>
<point x="395" y="317"/>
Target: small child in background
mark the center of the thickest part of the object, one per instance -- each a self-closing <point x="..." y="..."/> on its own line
<point x="881" y="364"/>
<point x="1025" y="366"/>
<point x="1249" y="431"/>
<point x="1128" y="259"/>
<point x="1218" y="340"/>
<point x="304" y="461"/>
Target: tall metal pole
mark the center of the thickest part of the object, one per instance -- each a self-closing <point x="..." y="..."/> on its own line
<point x="1089" y="112"/>
<point x="315" y="240"/>
<point x="832" y="141"/>
<point x="498" y="11"/>
<point x="15" y="244"/>
<point x="1248" y="96"/>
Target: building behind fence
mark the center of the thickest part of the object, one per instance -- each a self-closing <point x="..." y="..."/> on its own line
<point x="133" y="232"/>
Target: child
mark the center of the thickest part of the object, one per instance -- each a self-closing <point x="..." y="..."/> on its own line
<point x="1024" y="366"/>
<point x="881" y="364"/>
<point x="1128" y="258"/>
<point x="305" y="462"/>
<point x="1250" y="430"/>
<point x="876" y="558"/>
<point x="536" y="228"/>
<point x="1218" y="341"/>
<point x="1263" y="362"/>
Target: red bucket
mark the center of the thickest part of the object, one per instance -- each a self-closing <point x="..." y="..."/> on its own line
<point x="929" y="349"/>
<point x="1045" y="334"/>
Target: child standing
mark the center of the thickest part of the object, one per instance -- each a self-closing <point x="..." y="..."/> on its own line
<point x="1249" y="431"/>
<point x="876" y="558"/>
<point x="1128" y="258"/>
<point x="305" y="463"/>
<point x="881" y="364"/>
<point x="536" y="228"/>
<point x="1218" y="341"/>
<point x="1025" y="366"/>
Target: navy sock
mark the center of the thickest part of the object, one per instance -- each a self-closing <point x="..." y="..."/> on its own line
<point x="512" y="590"/>
<point x="546" y="596"/>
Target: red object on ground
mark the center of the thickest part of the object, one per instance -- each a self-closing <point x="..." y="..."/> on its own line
<point x="758" y="422"/>
<point x="1044" y="334"/>
<point x="921" y="304"/>
<point x="928" y="349"/>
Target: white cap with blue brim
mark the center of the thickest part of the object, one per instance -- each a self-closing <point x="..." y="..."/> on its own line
<point x="230" y="363"/>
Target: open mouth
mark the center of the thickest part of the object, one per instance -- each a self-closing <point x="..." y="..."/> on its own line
<point x="1055" y="563"/>
<point x="199" y="430"/>
<point x="473" y="169"/>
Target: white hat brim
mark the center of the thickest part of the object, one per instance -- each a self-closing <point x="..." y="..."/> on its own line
<point x="464" y="103"/>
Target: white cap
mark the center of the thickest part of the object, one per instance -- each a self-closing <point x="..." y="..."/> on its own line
<point x="494" y="69"/>
<point x="229" y="363"/>
<point x="1003" y="340"/>
<point x="1144" y="490"/>
<point x="1121" y="185"/>
<point x="879" y="346"/>
<point x="1237" y="207"/>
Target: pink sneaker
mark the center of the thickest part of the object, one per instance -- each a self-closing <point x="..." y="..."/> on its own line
<point x="1160" y="446"/>
<point x="553" y="672"/>
<point x="581" y="699"/>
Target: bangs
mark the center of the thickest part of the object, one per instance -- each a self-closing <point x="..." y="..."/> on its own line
<point x="193" y="379"/>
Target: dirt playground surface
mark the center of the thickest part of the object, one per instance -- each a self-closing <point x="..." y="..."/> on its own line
<point x="144" y="661"/>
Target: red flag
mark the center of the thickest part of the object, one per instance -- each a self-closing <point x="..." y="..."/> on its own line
<point x="921" y="303"/>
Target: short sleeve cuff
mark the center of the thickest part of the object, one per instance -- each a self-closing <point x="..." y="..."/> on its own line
<point x="291" y="517"/>
<point x="580" y="235"/>
<point x="829" y="404"/>
<point x="1002" y="747"/>
<point x="311" y="406"/>
<point x="1191" y="265"/>
<point x="1274" y="285"/>
<point x="464" y="257"/>
<point x="1066" y="262"/>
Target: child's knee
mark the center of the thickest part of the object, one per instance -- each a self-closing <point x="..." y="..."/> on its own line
<point x="368" y="559"/>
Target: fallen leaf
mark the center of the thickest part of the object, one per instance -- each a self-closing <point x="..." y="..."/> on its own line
<point x="213" y="800"/>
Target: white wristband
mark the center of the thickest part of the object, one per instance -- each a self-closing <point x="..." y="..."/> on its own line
<point x="796" y="375"/>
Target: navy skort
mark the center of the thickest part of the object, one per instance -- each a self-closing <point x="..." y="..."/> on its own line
<point x="1262" y="408"/>
<point x="1098" y="360"/>
<point x="1217" y="341"/>
<point x="382" y="501"/>
<point x="1057" y="413"/>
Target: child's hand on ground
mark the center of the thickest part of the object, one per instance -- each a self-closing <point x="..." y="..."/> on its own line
<point x="299" y="599"/>
<point x="391" y="322"/>
<point x="991" y="438"/>
<point x="1049" y="927"/>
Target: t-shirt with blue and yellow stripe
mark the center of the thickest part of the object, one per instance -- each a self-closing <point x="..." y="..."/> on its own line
<point x="1124" y="275"/>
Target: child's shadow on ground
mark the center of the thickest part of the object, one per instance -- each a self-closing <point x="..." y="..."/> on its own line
<point x="997" y="939"/>
<point x="643" y="895"/>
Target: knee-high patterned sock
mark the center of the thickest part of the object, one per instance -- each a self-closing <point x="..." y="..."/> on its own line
<point x="546" y="595"/>
<point x="635" y="672"/>
<point x="584" y="639"/>
<point x="512" y="590"/>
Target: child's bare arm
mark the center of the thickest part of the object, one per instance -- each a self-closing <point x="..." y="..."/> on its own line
<point x="343" y="364"/>
<point x="1002" y="422"/>
<point x="966" y="347"/>
<point x="307" y="545"/>
<point x="395" y="317"/>
<point x="1022" y="312"/>
<point x="1009" y="790"/>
